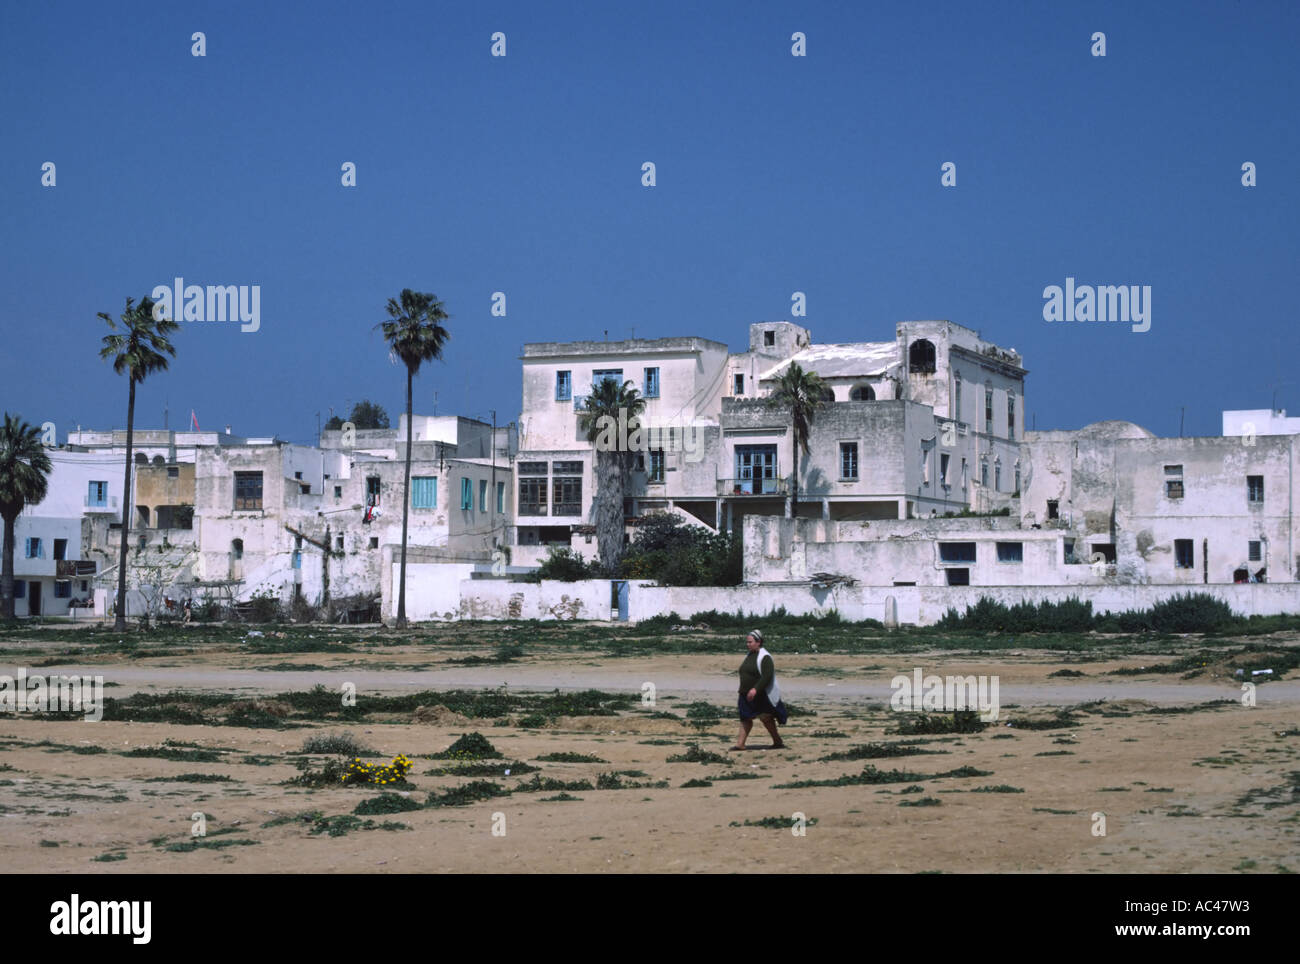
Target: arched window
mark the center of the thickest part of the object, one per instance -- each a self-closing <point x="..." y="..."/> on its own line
<point x="920" y="357"/>
<point x="141" y="458"/>
<point x="956" y="403"/>
<point x="159" y="460"/>
<point x="862" y="393"/>
<point x="237" y="548"/>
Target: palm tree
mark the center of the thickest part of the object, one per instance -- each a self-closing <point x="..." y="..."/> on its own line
<point x="609" y="406"/>
<point x="138" y="350"/>
<point x="800" y="393"/>
<point x="23" y="468"/>
<point x="415" y="336"/>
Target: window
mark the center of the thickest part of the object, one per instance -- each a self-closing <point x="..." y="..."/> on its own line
<point x="173" y="472"/>
<point x="997" y="478"/>
<point x="531" y="468"/>
<point x="532" y="497"/>
<point x="482" y="495"/>
<point x="769" y="339"/>
<point x="424" y="492"/>
<point x="97" y="497"/>
<point x="984" y="474"/>
<point x="737" y="384"/>
<point x="958" y="577"/>
<point x="1255" y="488"/>
<point x="85" y="585"/>
<point x="568" y="497"/>
<point x="20" y="588"/>
<point x="1011" y="552"/>
<point x="1070" y="558"/>
<point x="651" y="383"/>
<point x="374" y="542"/>
<point x="1253" y="550"/>
<point x="1183" y="557"/>
<point x="755" y="469"/>
<point x="1011" y="415"/>
<point x="338" y="543"/>
<point x="655" y="472"/>
<point x="1173" y="481"/>
<point x="34" y="549"/>
<point x="60" y="549"/>
<point x="501" y="497"/>
<point x="248" y="490"/>
<point x="298" y="476"/>
<point x="963" y="475"/>
<point x="466" y="494"/>
<point x="920" y="357"/>
<point x="1104" y="549"/>
<point x="565" y="468"/>
<point x="237" y="548"/>
<point x="614" y="375"/>
<point x="956" y="403"/>
<point x="862" y="393"/>
<point x="848" y="460"/>
<point x="988" y="409"/>
<point x="944" y="459"/>
<point x="1053" y="509"/>
<point x="956" y="552"/>
<point x="63" y="589"/>
<point x="338" y="491"/>
<point x="297" y="558"/>
<point x="563" y="386"/>
<point x="372" y="490"/>
<point x="1017" y="478"/>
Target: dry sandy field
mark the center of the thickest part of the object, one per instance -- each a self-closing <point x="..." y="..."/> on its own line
<point x="1108" y="756"/>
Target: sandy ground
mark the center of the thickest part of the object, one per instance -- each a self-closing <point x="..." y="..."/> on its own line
<point x="1211" y="790"/>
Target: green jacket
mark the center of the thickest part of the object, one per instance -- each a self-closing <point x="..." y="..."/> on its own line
<point x="751" y="678"/>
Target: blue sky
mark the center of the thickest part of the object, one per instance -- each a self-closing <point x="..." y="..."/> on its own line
<point x="522" y="174"/>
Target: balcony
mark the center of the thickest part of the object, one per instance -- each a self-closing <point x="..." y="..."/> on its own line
<point x="532" y="508"/>
<point x="753" y="486"/>
<point x="107" y="504"/>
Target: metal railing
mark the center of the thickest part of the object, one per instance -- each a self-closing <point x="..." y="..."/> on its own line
<point x="753" y="486"/>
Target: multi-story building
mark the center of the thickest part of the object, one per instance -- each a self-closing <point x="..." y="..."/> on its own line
<point x="925" y="424"/>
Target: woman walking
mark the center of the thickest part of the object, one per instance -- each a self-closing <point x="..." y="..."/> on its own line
<point x="759" y="695"/>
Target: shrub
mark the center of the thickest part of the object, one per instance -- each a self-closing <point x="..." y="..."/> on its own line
<point x="675" y="553"/>
<point x="471" y="746"/>
<point x="385" y="803"/>
<point x="342" y="743"/>
<point x="564" y="564"/>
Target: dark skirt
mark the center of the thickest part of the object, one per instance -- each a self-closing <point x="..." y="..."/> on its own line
<point x="760" y="707"/>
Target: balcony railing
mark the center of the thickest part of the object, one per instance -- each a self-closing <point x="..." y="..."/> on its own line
<point x="567" y="508"/>
<point x="532" y="508"/>
<point x="753" y="486"/>
<point x="107" y="504"/>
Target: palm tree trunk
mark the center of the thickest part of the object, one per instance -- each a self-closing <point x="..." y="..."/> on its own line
<point x="7" y="572"/>
<point x="406" y="507"/>
<point x="794" y="478"/>
<point x="119" y="622"/>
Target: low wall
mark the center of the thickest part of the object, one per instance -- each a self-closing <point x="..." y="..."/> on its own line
<point x="548" y="599"/>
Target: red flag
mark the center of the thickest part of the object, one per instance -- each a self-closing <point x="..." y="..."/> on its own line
<point x="194" y="421"/>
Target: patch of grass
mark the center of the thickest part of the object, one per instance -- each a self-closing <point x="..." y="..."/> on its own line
<point x="773" y="823"/>
<point x="961" y="721"/>
<point x="205" y="843"/>
<point x="1000" y="788"/>
<point x="1055" y="753"/>
<point x="875" y="751"/>
<point x="533" y="721"/>
<point x="693" y="783"/>
<point x="540" y="784"/>
<point x="737" y="775"/>
<point x="572" y="757"/>
<point x="471" y="746"/>
<point x="656" y="742"/>
<point x="702" y="710"/>
<point x="1066" y="673"/>
<point x="472" y="792"/>
<point x="108" y="858"/>
<point x="694" y="754"/>
<point x="344" y="744"/>
<point x="385" y="803"/>
<point x="482" y="769"/>
<point x="329" y="775"/>
<point x="830" y="734"/>
<point x="559" y="798"/>
<point x="49" y="843"/>
<point x="192" y="778"/>
<point x="921" y="802"/>
<point x="1050" y="810"/>
<point x="174" y="753"/>
<point x="309" y="817"/>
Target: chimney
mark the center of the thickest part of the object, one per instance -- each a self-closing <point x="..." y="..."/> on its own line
<point x="227" y="429"/>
